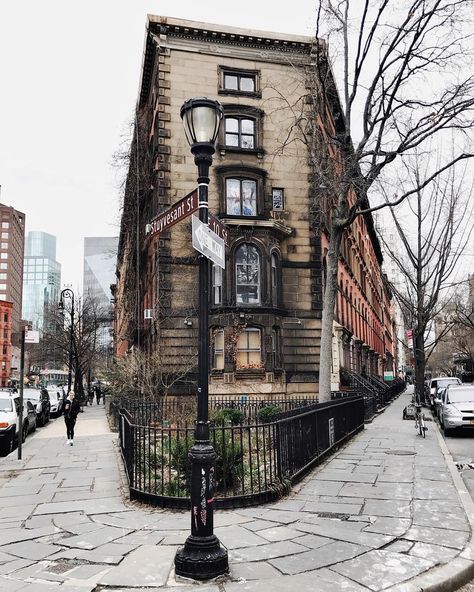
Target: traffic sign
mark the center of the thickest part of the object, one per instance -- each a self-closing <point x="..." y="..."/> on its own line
<point x="185" y="206"/>
<point x="219" y="228"/>
<point x="208" y="243"/>
<point x="31" y="336"/>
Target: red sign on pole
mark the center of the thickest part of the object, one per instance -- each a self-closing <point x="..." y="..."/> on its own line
<point x="180" y="210"/>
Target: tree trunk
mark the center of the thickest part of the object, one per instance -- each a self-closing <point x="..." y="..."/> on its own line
<point x="420" y="363"/>
<point x="329" y="302"/>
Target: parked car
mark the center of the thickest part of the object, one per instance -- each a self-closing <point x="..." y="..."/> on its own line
<point x="41" y="403"/>
<point x="457" y="408"/>
<point x="56" y="400"/>
<point x="440" y="382"/>
<point x="10" y="421"/>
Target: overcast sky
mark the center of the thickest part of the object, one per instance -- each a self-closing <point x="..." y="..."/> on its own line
<point x="69" y="81"/>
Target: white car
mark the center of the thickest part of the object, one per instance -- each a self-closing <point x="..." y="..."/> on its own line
<point x="457" y="408"/>
<point x="438" y="384"/>
<point x="10" y="422"/>
<point x="56" y="398"/>
<point x="41" y="402"/>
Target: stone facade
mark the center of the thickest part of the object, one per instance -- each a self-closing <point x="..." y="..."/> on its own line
<point x="265" y="307"/>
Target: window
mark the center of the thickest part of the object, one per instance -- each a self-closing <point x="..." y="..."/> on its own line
<point x="5" y="318"/>
<point x="3" y="255"/>
<point x="249" y="351"/>
<point x="4" y="245"/>
<point x="234" y="81"/>
<point x="3" y="296"/>
<point x="216" y="284"/>
<point x="3" y="276"/>
<point x="275" y="349"/>
<point x="218" y="350"/>
<point x="274" y="279"/>
<point x="3" y="265"/>
<point x="240" y="132"/>
<point x="278" y="201"/>
<point x="247" y="275"/>
<point x="241" y="197"/>
<point x="5" y="225"/>
<point x="3" y="286"/>
<point x="5" y="235"/>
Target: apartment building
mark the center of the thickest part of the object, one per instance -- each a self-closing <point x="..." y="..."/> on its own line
<point x="266" y="306"/>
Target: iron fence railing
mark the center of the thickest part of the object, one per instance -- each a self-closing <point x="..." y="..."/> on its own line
<point x="181" y="409"/>
<point x="255" y="462"/>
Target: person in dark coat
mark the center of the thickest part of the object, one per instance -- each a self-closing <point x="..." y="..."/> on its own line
<point x="98" y="394"/>
<point x="71" y="410"/>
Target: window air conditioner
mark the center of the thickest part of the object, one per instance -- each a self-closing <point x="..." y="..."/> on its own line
<point x="148" y="313"/>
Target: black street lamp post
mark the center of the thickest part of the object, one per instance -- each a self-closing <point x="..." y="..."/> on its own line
<point x="69" y="294"/>
<point x="202" y="556"/>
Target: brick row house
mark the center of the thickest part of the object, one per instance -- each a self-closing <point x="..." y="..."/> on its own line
<point x="265" y="307"/>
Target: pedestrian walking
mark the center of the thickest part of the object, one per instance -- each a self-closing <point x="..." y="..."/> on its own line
<point x="71" y="409"/>
<point x="98" y="394"/>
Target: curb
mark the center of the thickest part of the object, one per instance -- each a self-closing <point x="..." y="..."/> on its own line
<point x="460" y="571"/>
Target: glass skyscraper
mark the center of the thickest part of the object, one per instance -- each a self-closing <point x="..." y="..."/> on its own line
<point x="41" y="277"/>
<point x="100" y="260"/>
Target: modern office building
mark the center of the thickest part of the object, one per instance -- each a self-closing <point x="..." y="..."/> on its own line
<point x="11" y="262"/>
<point x="100" y="260"/>
<point x="42" y="277"/>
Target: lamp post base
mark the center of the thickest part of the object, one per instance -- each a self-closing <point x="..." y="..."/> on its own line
<point x="201" y="558"/>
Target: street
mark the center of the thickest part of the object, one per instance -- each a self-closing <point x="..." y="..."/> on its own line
<point x="461" y="447"/>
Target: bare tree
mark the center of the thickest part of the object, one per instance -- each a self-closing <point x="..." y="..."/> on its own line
<point x="432" y="240"/>
<point x="403" y="85"/>
<point x="84" y="337"/>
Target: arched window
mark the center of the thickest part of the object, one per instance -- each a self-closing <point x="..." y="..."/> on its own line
<point x="249" y="348"/>
<point x="274" y="279"/>
<point x="247" y="274"/>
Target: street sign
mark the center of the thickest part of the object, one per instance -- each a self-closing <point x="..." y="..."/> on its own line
<point x="219" y="228"/>
<point x="31" y="336"/>
<point x="180" y="210"/>
<point x="208" y="243"/>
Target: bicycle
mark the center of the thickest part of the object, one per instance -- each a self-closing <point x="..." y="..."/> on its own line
<point x="420" y="420"/>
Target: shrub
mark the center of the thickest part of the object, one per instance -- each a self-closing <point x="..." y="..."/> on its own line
<point x="268" y="413"/>
<point x="229" y="415"/>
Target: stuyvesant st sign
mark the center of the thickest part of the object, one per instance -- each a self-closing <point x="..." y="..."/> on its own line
<point x="180" y="210"/>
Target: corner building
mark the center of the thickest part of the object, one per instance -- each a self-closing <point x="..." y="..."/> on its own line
<point x="265" y="307"/>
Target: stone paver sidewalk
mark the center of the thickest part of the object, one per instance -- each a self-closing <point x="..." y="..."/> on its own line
<point x="387" y="512"/>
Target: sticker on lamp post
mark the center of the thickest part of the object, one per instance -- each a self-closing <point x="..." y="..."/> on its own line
<point x="331" y="430"/>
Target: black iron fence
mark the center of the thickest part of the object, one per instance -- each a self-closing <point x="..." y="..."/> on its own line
<point x="255" y="462"/>
<point x="182" y="409"/>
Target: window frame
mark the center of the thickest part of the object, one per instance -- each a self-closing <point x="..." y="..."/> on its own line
<point x="217" y="271"/>
<point x="249" y="350"/>
<point x="275" y="277"/>
<point x="241" y="112"/>
<point x="258" y="283"/>
<point x="239" y="118"/>
<point x="281" y="192"/>
<point x="242" y="173"/>
<point x="215" y="352"/>
<point x="239" y="73"/>
<point x="241" y="197"/>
